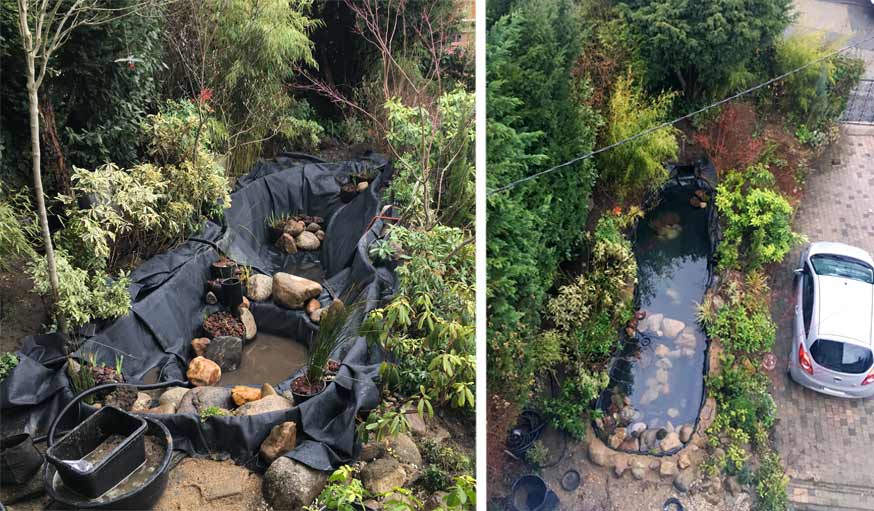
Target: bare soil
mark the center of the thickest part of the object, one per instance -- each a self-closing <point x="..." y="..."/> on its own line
<point x="22" y="312"/>
<point x="213" y="485"/>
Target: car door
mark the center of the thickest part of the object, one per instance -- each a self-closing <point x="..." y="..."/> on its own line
<point x="804" y="299"/>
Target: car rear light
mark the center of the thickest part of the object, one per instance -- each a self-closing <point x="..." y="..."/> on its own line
<point x="805" y="363"/>
<point x="868" y="379"/>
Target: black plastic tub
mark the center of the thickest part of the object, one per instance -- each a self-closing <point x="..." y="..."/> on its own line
<point x="19" y="459"/>
<point x="530" y="493"/>
<point x="92" y="478"/>
<point x="141" y="490"/>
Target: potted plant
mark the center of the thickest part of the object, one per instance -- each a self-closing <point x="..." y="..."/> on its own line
<point x="332" y="333"/>
<point x="224" y="268"/>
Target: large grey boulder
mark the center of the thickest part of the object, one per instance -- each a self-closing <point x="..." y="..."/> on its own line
<point x="264" y="405"/>
<point x="226" y="351"/>
<point x="383" y="475"/>
<point x="200" y="398"/>
<point x="291" y="485"/>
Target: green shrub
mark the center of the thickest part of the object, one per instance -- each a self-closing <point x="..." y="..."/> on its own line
<point x="706" y="50"/>
<point x="816" y="95"/>
<point x="537" y="455"/>
<point x="18" y="228"/>
<point x="569" y="411"/>
<point x="429" y="327"/>
<point x="537" y="116"/>
<point x="151" y="207"/>
<point x="435" y="165"/>
<point x="435" y="479"/>
<point x="83" y="297"/>
<point x="757" y="220"/>
<point x="589" y="311"/>
<point x="212" y="411"/>
<point x="444" y="456"/>
<point x="771" y="483"/>
<point x="744" y="327"/>
<point x="632" y="169"/>
<point x="8" y="362"/>
<point x="745" y="403"/>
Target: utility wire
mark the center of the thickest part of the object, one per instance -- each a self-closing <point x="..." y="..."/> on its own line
<point x="666" y="124"/>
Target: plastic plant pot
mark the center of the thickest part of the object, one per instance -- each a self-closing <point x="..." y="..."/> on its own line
<point x="232" y="293"/>
<point x="19" y="459"/>
<point x="348" y="192"/>
<point x="143" y="494"/>
<point x="224" y="268"/>
<point x="93" y="477"/>
<point x="300" y="397"/>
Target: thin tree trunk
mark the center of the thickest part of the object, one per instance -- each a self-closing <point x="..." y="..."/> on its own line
<point x="33" y="113"/>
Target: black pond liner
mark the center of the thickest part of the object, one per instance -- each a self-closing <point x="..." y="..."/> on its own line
<point x="691" y="268"/>
<point x="167" y="309"/>
<point x="19" y="459"/>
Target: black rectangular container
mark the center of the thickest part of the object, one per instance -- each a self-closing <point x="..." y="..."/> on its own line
<point x="94" y="478"/>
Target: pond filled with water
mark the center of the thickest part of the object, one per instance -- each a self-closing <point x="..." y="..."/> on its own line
<point x="662" y="374"/>
<point x="267" y="359"/>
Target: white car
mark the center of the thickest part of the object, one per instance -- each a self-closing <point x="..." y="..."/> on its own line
<point x="834" y="321"/>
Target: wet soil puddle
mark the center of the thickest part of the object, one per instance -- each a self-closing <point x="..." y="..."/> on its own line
<point x="267" y="359"/>
<point x="663" y="373"/>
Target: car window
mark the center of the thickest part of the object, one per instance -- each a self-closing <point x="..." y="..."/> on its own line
<point x="807" y="298"/>
<point x="839" y="266"/>
<point x="841" y="357"/>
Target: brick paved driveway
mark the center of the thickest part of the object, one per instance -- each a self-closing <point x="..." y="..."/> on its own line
<point x="827" y="443"/>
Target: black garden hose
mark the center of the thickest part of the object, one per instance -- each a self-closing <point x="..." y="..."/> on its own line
<point x="50" y="437"/>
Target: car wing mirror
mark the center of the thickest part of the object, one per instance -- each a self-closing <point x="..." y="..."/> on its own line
<point x="799" y="271"/>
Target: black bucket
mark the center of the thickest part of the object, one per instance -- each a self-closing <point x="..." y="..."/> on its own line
<point x="530" y="493"/>
<point x="93" y="478"/>
<point x="144" y="496"/>
<point x="19" y="459"/>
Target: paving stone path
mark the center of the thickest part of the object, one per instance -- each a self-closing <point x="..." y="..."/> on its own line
<point x="827" y="443"/>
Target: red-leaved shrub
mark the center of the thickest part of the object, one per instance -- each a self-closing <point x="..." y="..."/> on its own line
<point x="729" y="141"/>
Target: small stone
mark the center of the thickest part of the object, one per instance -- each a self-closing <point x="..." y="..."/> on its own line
<point x="294" y="227"/>
<point x="316" y="316"/>
<point x="292" y="292"/>
<point x="259" y="287"/>
<point x="599" y="453"/>
<point x="173" y="396"/>
<point x="320" y="235"/>
<point x="282" y="438"/>
<point x="287" y="243"/>
<point x="307" y="241"/>
<point x="312" y="306"/>
<point x="668" y="467"/>
<point x="289" y="484"/>
<point x="383" y="475"/>
<point x="684" y="480"/>
<point x="362" y="186"/>
<point x="617" y="438"/>
<point x="672" y="327"/>
<point x="199" y="345"/>
<point x="161" y="409"/>
<point x="211" y="298"/>
<point x="683" y="460"/>
<point x="686" y="433"/>
<point x="673" y="412"/>
<point x="638" y="473"/>
<point x="648" y="438"/>
<point x="245" y="303"/>
<point x="732" y="486"/>
<point x="248" y="320"/>
<point x="203" y="372"/>
<point x="226" y="351"/>
<point x="620" y="465"/>
<point x="313" y="227"/>
<point x="142" y="403"/>
<point x="630" y="444"/>
<point x="263" y="405"/>
<point x="662" y="376"/>
<point x="241" y="394"/>
<point x="267" y="390"/>
<point x="670" y="442"/>
<point x="662" y="350"/>
<point x="637" y="429"/>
